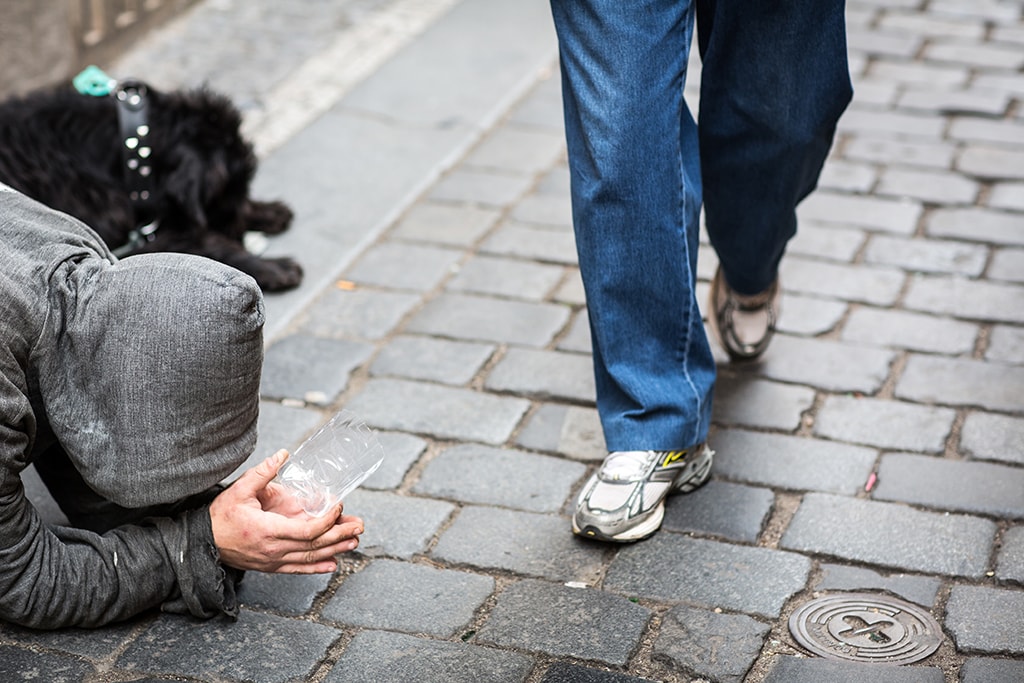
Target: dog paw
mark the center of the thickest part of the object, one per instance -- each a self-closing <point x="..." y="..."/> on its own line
<point x="278" y="274"/>
<point x="268" y="217"/>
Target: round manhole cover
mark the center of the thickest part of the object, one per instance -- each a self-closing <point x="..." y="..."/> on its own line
<point x="864" y="627"/>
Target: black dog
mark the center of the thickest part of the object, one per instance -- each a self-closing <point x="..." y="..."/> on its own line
<point x="148" y="171"/>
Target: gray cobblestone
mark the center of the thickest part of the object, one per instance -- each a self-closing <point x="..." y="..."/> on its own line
<point x="94" y="644"/>
<point x="519" y="150"/>
<point x="969" y="299"/>
<point x="1007" y="196"/>
<point x="257" y="647"/>
<point x="788" y="669"/>
<point x="400" y="452"/>
<point x="578" y="337"/>
<point x="974" y="53"/>
<point x="973" y="129"/>
<point x="310" y="369"/>
<point x="20" y="664"/>
<point x="920" y="126"/>
<point x="976" y="224"/>
<point x="993" y="437"/>
<point x="977" y="487"/>
<point x="385" y="657"/>
<point x="413" y="598"/>
<point x="906" y="330"/>
<point x="928" y="186"/>
<point x="938" y="155"/>
<point x="1007" y="264"/>
<point x="919" y="589"/>
<point x="927" y="255"/>
<point x="675" y="568"/>
<point x="981" y="670"/>
<point x="990" y="10"/>
<point x="404" y="266"/>
<point x="532" y="242"/>
<point x="282" y="593"/>
<point x="360" y="314"/>
<point x="722" y="647"/>
<point x="847" y="176"/>
<point x="805" y="315"/>
<point x="829" y="365"/>
<point x="547" y="209"/>
<point x="561" y="621"/>
<point x="824" y="240"/>
<point x="396" y="525"/>
<point x="521" y="542"/>
<point x="486" y="319"/>
<point x="428" y="358"/>
<point x="746" y="402"/>
<point x="996" y="163"/>
<point x="791" y="462"/>
<point x="563" y="672"/>
<point x="506" y="277"/>
<point x="874" y="213"/>
<point x="491" y="476"/>
<point x="1010" y="565"/>
<point x="453" y="225"/>
<point x="973" y="101"/>
<point x="891" y="535"/>
<point x="868" y="284"/>
<point x="986" y="619"/>
<point x="884" y="424"/>
<point x="480" y="187"/>
<point x="933" y="25"/>
<point x="544" y="374"/>
<point x="718" y="508"/>
<point x="573" y="431"/>
<point x="956" y="382"/>
<point x="920" y="73"/>
<point x="881" y="42"/>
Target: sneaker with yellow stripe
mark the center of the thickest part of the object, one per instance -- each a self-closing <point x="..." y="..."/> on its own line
<point x="625" y="499"/>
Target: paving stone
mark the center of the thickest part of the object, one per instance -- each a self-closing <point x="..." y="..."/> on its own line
<point x="487" y="319"/>
<point x="404" y="266"/>
<point x="938" y="155"/>
<point x="978" y="487"/>
<point x="721" y="647"/>
<point x="431" y="359"/>
<point x="257" y="647"/>
<point x="443" y="412"/>
<point x="1007" y="264"/>
<point x="17" y="664"/>
<point x="561" y="621"/>
<point x="676" y="568"/>
<point x="905" y="124"/>
<point x="449" y="224"/>
<point x="848" y="177"/>
<point x="504" y="277"/>
<point x="731" y="511"/>
<point x="532" y="242"/>
<point x="985" y="619"/>
<point x="1010" y="566"/>
<point x="518" y="149"/>
<point x="282" y="426"/>
<point x="310" y="369"/>
<point x="400" y="452"/>
<point x="360" y="314"/>
<point x="824" y="364"/>
<point x="989" y="10"/>
<point x="974" y="53"/>
<point x="884" y="423"/>
<point x="926" y="255"/>
<point x="413" y="598"/>
<point x="822" y="240"/>
<point x="919" y="73"/>
<point x="907" y="330"/>
<point x="891" y="535"/>
<point x="522" y="542"/>
<point x="791" y="462"/>
<point x="933" y="187"/>
<point x="750" y="402"/>
<point x="812" y="670"/>
<point x="544" y="374"/>
<point x="976" y="224"/>
<point x="954" y="381"/>
<point x="974" y="101"/>
<point x="993" y="437"/>
<point x="491" y="476"/>
<point x="868" y="284"/>
<point x="554" y="210"/>
<point x="970" y="299"/>
<point x="480" y="187"/>
<point x="1006" y="344"/>
<point x="384" y="657"/>
<point x="564" y="672"/>
<point x="930" y="25"/>
<point x="91" y="643"/>
<point x="975" y="129"/>
<point x="981" y="670"/>
<point x="398" y="526"/>
<point x="917" y="589"/>
<point x="875" y="213"/>
<point x="572" y="431"/>
<point x="881" y="42"/>
<point x="578" y="337"/>
<point x="288" y="594"/>
<point x="805" y="315"/>
<point x="542" y="107"/>
<point x="993" y="163"/>
<point x="1007" y="196"/>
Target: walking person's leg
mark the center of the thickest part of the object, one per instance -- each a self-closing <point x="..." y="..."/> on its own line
<point x="774" y="81"/>
<point x="635" y="178"/>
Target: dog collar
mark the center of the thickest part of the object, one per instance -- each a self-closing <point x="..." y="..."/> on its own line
<point x="133" y="120"/>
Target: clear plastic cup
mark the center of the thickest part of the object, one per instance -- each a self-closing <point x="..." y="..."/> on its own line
<point x="332" y="463"/>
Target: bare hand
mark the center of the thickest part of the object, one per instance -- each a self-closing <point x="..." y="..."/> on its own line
<point x="256" y="525"/>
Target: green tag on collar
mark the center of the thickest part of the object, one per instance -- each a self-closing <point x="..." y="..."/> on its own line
<point x="93" y="81"/>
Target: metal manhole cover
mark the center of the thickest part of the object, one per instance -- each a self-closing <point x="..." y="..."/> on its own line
<point x="865" y="627"/>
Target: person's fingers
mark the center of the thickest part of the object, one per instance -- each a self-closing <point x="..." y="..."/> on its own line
<point x="255" y="479"/>
<point x="319" y="555"/>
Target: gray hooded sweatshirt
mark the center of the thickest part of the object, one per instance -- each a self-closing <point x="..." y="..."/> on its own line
<point x="134" y="386"/>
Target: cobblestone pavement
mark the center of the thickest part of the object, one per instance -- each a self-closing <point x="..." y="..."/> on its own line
<point x="878" y="448"/>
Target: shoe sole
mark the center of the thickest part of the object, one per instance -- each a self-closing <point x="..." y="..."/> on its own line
<point x="693" y="476"/>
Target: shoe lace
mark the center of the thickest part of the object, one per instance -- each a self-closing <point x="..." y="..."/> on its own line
<point x="627" y="466"/>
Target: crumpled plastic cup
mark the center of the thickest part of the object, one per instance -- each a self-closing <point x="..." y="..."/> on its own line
<point x="330" y="464"/>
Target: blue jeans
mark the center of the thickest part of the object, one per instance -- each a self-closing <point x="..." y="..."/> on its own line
<point x="774" y="81"/>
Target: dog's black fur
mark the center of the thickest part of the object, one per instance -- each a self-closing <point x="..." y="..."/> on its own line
<point x="63" y="149"/>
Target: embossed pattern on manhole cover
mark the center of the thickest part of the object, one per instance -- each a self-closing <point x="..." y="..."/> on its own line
<point x="865" y="627"/>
